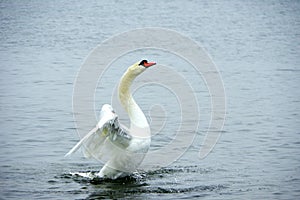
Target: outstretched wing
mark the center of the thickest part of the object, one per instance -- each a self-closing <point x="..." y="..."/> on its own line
<point x="105" y="137"/>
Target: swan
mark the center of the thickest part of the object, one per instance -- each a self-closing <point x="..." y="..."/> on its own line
<point x="123" y="148"/>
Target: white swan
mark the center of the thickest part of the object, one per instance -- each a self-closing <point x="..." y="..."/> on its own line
<point x="124" y="149"/>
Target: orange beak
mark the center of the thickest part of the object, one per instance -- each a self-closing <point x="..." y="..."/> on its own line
<point x="149" y="64"/>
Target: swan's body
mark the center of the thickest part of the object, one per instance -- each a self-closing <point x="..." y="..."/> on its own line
<point x="123" y="148"/>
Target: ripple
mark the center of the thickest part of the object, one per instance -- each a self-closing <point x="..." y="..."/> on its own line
<point x="90" y="176"/>
<point x="288" y="70"/>
<point x="140" y="183"/>
<point x="180" y="169"/>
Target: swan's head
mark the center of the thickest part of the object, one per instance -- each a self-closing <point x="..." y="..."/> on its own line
<point x="140" y="67"/>
<point x="146" y="64"/>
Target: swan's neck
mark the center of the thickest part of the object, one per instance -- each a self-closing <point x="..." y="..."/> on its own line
<point x="136" y="115"/>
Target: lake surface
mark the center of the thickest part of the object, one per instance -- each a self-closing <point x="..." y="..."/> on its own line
<point x="255" y="46"/>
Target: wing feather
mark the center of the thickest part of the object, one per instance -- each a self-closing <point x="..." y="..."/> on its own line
<point x="106" y="138"/>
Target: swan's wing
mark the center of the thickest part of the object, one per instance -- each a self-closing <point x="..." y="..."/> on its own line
<point x="105" y="137"/>
<point x="79" y="144"/>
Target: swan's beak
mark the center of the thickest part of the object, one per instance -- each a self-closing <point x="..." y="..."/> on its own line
<point x="149" y="64"/>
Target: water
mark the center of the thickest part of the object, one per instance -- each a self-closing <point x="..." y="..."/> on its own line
<point x="255" y="46"/>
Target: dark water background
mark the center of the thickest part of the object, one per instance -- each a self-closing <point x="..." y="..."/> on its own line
<point x="255" y="45"/>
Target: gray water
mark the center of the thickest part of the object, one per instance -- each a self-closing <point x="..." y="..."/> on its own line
<point x="256" y="47"/>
